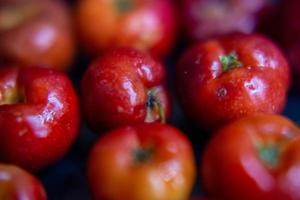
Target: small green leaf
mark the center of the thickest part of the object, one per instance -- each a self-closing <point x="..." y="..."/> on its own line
<point x="230" y="61"/>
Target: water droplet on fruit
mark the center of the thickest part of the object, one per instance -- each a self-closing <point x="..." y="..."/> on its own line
<point x="22" y="132"/>
<point x="255" y="86"/>
<point x="120" y="109"/>
<point x="273" y="108"/>
<point x="198" y="59"/>
<point x="19" y="119"/>
<point x="201" y="77"/>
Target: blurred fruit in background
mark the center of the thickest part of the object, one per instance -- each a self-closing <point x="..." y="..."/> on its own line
<point x="34" y="32"/>
<point x="17" y="184"/>
<point x="205" y="19"/>
<point x="147" y="25"/>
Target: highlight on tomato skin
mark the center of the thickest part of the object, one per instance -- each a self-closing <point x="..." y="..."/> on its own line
<point x="256" y="157"/>
<point x="18" y="184"/>
<point x="155" y="159"/>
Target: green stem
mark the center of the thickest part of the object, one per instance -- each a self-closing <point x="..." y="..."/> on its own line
<point x="269" y="154"/>
<point x="153" y="103"/>
<point x="230" y="61"/>
<point x="124" y="6"/>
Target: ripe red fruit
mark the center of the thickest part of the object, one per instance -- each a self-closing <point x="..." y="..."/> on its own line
<point x="36" y="32"/>
<point x="223" y="79"/>
<point x="204" y="19"/>
<point x="39" y="116"/>
<point x="147" y="25"/>
<point x="143" y="162"/>
<point x="124" y="86"/>
<point x="17" y="184"/>
<point x="253" y="158"/>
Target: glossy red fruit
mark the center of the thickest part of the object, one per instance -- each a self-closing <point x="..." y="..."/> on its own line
<point x="143" y="162"/>
<point x="17" y="184"/>
<point x="148" y="25"/>
<point x="205" y="19"/>
<point x="36" y="32"/>
<point x="39" y="116"/>
<point x="124" y="86"/>
<point x="223" y="79"/>
<point x="253" y="158"/>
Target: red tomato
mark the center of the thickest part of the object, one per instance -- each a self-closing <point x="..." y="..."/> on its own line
<point x="142" y="24"/>
<point x="253" y="158"/>
<point x="17" y="184"/>
<point x="124" y="86"/>
<point x="223" y="79"/>
<point x="39" y="116"/>
<point x="143" y="162"/>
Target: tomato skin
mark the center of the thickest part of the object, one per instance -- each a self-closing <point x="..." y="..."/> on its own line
<point x="168" y="174"/>
<point x="148" y="25"/>
<point x="17" y="184"/>
<point x="213" y="97"/>
<point x="233" y="167"/>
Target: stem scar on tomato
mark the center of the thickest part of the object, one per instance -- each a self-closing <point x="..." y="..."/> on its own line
<point x="124" y="6"/>
<point x="142" y="155"/>
<point x="230" y="61"/>
<point x="12" y="95"/>
<point x="269" y="154"/>
<point x="154" y="104"/>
